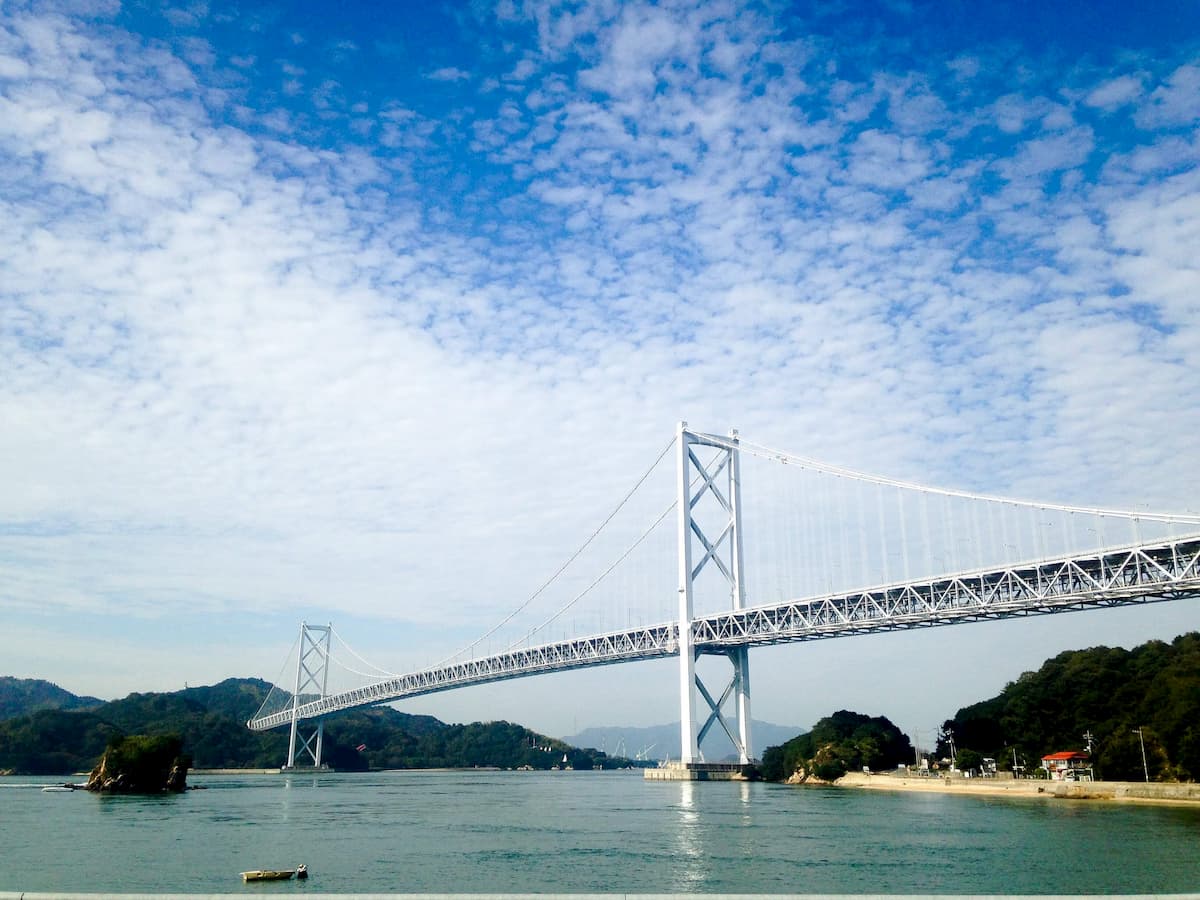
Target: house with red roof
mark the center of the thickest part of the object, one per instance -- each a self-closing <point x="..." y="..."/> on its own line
<point x="1069" y="765"/>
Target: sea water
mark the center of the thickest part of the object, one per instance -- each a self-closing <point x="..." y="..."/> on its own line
<point x="508" y="832"/>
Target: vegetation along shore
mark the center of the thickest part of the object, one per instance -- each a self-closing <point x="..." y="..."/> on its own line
<point x="1123" y="717"/>
<point x="1120" y="716"/>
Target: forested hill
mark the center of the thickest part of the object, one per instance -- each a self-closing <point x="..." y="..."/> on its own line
<point x="211" y="721"/>
<point x="845" y="741"/>
<point x="1107" y="691"/>
<point x="20" y="696"/>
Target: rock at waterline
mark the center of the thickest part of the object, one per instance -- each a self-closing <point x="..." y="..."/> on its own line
<point x="141" y="764"/>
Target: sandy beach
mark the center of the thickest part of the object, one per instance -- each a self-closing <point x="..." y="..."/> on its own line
<point x="1113" y="791"/>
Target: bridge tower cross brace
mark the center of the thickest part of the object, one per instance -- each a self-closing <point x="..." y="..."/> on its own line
<point x="716" y="485"/>
<point x="312" y="676"/>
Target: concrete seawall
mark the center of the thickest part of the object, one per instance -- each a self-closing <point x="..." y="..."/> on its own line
<point x="1118" y="791"/>
<point x="233" y="771"/>
<point x="677" y="771"/>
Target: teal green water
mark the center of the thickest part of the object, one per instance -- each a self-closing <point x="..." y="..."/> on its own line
<point x="483" y="831"/>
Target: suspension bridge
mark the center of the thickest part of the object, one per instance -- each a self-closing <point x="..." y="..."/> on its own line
<point x="720" y="560"/>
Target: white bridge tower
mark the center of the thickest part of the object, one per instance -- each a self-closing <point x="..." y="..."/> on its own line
<point x="312" y="683"/>
<point x="710" y="492"/>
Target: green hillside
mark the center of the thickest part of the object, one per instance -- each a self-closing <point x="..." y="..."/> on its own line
<point x="22" y="696"/>
<point x="1107" y="692"/>
<point x="846" y="741"/>
<point x="211" y="721"/>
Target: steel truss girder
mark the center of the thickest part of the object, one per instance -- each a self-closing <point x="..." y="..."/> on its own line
<point x="651" y="642"/>
<point x="1119" y="577"/>
<point x="1167" y="570"/>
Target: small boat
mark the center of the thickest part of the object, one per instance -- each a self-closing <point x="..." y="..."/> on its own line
<point x="300" y="871"/>
<point x="58" y="789"/>
<point x="268" y="874"/>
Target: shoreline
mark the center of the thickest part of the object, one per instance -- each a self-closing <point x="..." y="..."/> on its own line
<point x="234" y="771"/>
<point x="75" y="895"/>
<point x="1106" y="791"/>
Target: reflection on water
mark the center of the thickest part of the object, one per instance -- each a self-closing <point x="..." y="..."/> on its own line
<point x="584" y="832"/>
<point x="689" y="839"/>
<point x="744" y="796"/>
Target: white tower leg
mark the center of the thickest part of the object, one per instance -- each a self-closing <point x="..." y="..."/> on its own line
<point x="687" y="655"/>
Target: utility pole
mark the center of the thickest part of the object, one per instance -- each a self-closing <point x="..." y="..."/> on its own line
<point x="953" y="754"/>
<point x="1142" y="742"/>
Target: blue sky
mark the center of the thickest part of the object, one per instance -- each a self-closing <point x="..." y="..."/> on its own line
<point x="367" y="313"/>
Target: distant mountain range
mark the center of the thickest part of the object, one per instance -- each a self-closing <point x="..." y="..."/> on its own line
<point x="21" y="696"/>
<point x="662" y="741"/>
<point x="1140" y="709"/>
<point x="42" y="739"/>
<point x="211" y="720"/>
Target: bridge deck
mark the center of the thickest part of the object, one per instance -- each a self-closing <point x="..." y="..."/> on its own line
<point x="1121" y="576"/>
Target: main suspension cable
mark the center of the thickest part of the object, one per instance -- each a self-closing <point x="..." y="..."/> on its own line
<point x="783" y="456"/>
<point x="574" y="556"/>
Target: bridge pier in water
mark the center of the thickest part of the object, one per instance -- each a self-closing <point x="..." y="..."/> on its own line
<point x="715" y="489"/>
<point x="699" y="771"/>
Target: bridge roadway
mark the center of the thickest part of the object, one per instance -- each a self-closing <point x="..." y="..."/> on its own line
<point x="1164" y="570"/>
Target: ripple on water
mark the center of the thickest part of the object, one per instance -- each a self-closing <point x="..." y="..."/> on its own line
<point x="586" y="832"/>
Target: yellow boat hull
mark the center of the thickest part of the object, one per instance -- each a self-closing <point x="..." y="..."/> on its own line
<point x="268" y="875"/>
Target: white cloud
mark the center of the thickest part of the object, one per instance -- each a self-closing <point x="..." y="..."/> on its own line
<point x="887" y="161"/>
<point x="1173" y="103"/>
<point x="448" y="73"/>
<point x="245" y="375"/>
<point x="187" y="16"/>
<point x="1011" y="112"/>
<point x="1115" y="93"/>
<point x="1052" y="153"/>
<point x="13" y="68"/>
<point x="1157" y="230"/>
<point x="912" y="107"/>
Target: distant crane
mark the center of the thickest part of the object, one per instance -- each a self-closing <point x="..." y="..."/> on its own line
<point x="644" y="753"/>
